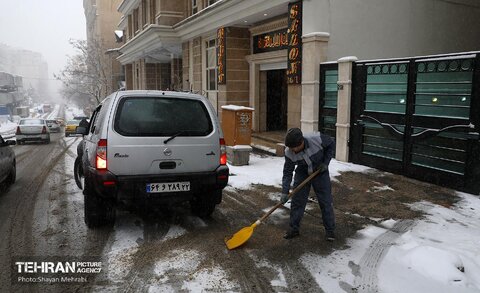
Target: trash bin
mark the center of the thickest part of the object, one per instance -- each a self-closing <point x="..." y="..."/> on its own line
<point x="237" y="125"/>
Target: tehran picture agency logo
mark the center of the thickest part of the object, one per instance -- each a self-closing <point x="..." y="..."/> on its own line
<point x="53" y="271"/>
<point x="59" y="267"/>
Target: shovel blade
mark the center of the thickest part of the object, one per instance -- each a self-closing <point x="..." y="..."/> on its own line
<point x="240" y="237"/>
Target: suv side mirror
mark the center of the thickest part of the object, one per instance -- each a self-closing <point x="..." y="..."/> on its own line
<point x="81" y="130"/>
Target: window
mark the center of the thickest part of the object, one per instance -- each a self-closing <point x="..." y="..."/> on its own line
<point x="31" y="122"/>
<point x="153" y="10"/>
<point x="159" y="116"/>
<point x="144" y="12"/>
<point x="211" y="65"/>
<point x="194" y="6"/>
<point x="130" y="26"/>
<point x="135" y="21"/>
<point x="97" y="121"/>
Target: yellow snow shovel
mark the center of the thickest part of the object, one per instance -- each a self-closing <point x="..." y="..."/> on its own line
<point x="244" y="234"/>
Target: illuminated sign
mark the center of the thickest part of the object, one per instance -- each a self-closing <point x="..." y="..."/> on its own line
<point x="221" y="56"/>
<point x="272" y="41"/>
<point x="294" y="71"/>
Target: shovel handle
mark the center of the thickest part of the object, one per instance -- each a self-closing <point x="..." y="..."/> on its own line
<point x="300" y="186"/>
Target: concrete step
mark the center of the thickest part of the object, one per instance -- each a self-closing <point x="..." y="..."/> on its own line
<point x="265" y="146"/>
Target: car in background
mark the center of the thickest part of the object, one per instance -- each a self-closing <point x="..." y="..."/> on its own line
<point x="60" y="121"/>
<point x="53" y="125"/>
<point x="8" y="170"/>
<point x="32" y="129"/>
<point x="71" y="127"/>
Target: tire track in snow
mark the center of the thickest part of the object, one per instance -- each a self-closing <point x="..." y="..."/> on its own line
<point x="366" y="272"/>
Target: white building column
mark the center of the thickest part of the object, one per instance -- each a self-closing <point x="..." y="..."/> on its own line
<point x="344" y="99"/>
<point x="314" y="52"/>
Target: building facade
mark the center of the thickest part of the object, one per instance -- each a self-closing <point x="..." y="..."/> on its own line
<point x="102" y="19"/>
<point x="30" y="71"/>
<point x="267" y="54"/>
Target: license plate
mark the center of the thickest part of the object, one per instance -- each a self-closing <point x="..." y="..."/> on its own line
<point x="168" y="187"/>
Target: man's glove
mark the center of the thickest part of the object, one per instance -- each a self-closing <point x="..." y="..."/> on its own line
<point x="284" y="198"/>
<point x="322" y="168"/>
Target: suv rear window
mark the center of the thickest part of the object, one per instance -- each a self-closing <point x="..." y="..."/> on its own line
<point x="162" y="116"/>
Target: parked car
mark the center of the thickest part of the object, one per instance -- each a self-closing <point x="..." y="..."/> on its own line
<point x="70" y="127"/>
<point x="32" y="129"/>
<point x="53" y="125"/>
<point x="151" y="148"/>
<point x="8" y="169"/>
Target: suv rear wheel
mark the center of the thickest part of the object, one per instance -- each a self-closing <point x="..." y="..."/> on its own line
<point x="97" y="211"/>
<point x="13" y="174"/>
<point x="203" y="205"/>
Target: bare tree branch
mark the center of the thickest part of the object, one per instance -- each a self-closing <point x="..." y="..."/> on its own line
<point x="85" y="79"/>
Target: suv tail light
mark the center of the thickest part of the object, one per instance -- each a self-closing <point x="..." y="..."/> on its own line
<point x="44" y="130"/>
<point x="18" y="130"/>
<point x="223" y="152"/>
<point x="101" y="159"/>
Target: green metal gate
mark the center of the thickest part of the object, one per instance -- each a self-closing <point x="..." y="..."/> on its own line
<point x="419" y="117"/>
<point x="328" y="98"/>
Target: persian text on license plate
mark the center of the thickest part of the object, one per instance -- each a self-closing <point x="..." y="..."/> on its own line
<point x="168" y="187"/>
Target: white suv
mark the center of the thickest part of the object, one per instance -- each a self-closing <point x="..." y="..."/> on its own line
<point x="146" y="148"/>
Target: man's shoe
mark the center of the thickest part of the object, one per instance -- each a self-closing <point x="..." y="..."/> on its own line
<point x="291" y="234"/>
<point x="330" y="236"/>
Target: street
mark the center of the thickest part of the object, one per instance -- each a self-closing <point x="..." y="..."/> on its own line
<point x="42" y="215"/>
<point x="171" y="250"/>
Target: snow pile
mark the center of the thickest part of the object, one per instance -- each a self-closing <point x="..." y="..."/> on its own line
<point x="441" y="254"/>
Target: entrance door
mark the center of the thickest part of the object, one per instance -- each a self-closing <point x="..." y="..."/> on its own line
<point x="419" y="117"/>
<point x="277" y="105"/>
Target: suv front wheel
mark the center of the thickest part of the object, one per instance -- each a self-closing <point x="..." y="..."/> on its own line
<point x="97" y="211"/>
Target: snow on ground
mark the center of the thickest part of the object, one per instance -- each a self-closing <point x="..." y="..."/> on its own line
<point x="340" y="266"/>
<point x="440" y="253"/>
<point x="280" y="281"/>
<point x="186" y="263"/>
<point x="269" y="170"/>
